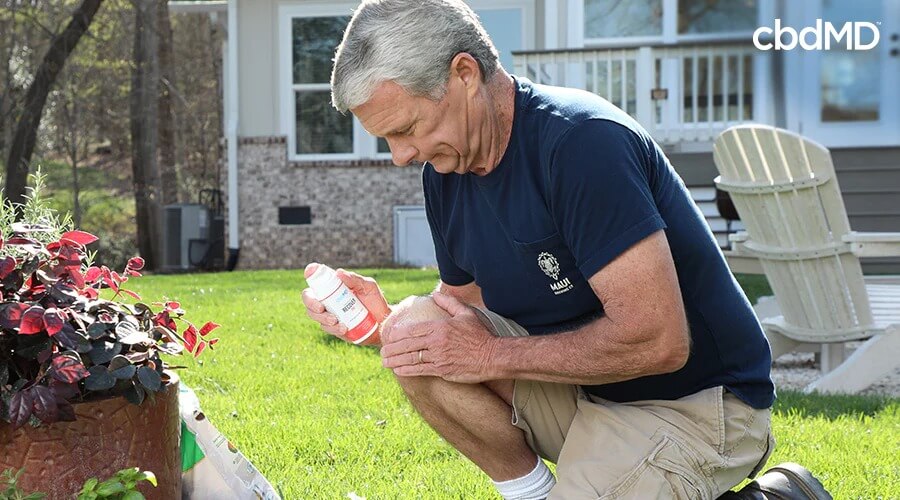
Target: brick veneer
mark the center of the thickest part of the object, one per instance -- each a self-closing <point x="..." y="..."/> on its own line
<point x="351" y="205"/>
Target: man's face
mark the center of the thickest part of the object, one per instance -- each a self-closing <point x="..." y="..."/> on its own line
<point x="418" y="129"/>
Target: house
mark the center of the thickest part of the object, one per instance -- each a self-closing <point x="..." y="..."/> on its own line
<point x="306" y="183"/>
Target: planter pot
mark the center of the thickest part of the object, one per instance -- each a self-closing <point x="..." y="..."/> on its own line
<point x="109" y="435"/>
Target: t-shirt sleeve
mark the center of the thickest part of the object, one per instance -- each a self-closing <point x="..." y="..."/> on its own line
<point x="601" y="199"/>
<point x="451" y="274"/>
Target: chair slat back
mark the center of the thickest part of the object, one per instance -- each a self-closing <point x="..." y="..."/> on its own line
<point x="785" y="189"/>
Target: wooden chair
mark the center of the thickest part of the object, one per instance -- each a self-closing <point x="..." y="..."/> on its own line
<point x="786" y="192"/>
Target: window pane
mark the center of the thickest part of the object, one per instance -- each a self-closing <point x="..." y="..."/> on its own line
<point x="850" y="79"/>
<point x="617" y="18"/>
<point x="383" y="145"/>
<point x="314" y="41"/>
<point x="320" y="128"/>
<point x="716" y="16"/>
<point x="850" y="89"/>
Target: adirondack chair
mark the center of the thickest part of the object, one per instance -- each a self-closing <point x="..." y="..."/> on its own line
<point x="786" y="192"/>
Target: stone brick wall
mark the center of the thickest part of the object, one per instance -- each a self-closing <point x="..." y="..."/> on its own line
<point x="351" y="206"/>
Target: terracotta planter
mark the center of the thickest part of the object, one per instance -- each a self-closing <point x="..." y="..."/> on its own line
<point x="58" y="458"/>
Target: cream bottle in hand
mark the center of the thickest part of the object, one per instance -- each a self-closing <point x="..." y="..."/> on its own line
<point x="340" y="301"/>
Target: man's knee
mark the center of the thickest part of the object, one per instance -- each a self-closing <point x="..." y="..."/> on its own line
<point x="412" y="309"/>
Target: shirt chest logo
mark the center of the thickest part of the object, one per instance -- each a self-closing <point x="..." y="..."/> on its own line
<point x="548" y="263"/>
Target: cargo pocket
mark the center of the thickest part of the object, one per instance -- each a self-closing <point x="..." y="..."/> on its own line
<point x="671" y="470"/>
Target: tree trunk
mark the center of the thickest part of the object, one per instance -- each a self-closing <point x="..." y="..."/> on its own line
<point x="144" y="93"/>
<point x="167" y="163"/>
<point x="26" y="128"/>
<point x="76" y="203"/>
<point x="6" y="87"/>
<point x="70" y="120"/>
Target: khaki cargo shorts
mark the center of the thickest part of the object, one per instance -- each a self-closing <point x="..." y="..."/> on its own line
<point x="696" y="447"/>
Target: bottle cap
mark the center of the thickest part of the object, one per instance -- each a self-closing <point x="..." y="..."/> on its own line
<point x="323" y="281"/>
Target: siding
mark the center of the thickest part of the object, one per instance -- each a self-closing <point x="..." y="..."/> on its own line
<point x="869" y="180"/>
<point x="258" y="68"/>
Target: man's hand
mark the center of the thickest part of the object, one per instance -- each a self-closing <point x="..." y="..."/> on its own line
<point x="457" y="349"/>
<point x="366" y="289"/>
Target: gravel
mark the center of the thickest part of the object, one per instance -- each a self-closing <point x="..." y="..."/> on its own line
<point x="798" y="369"/>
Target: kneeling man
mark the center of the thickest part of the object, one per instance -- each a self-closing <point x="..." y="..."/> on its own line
<point x="585" y="314"/>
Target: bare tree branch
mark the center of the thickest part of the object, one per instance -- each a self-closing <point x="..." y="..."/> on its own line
<point x="17" y="164"/>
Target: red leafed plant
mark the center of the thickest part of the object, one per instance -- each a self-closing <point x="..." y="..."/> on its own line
<point x="61" y="342"/>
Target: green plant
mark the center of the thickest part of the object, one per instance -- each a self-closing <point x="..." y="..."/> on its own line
<point x="122" y="486"/>
<point x="10" y="489"/>
<point x="60" y="341"/>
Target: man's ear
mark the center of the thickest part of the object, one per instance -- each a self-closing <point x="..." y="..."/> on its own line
<point x="466" y="68"/>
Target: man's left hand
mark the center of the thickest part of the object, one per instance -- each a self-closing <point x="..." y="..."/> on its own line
<point x="456" y="349"/>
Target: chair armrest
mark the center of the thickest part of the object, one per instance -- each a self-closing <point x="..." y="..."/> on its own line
<point x="739" y="236"/>
<point x="873" y="244"/>
<point x="743" y="264"/>
<point x="738" y="259"/>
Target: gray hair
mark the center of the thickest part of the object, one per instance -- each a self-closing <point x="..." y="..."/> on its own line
<point x="410" y="42"/>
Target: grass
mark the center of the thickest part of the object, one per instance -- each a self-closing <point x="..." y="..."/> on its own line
<point x="321" y="418"/>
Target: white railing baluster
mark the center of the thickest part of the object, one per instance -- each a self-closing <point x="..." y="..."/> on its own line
<point x="726" y="88"/>
<point x="644" y="80"/>
<point x="682" y="97"/>
<point x="623" y="88"/>
<point x="695" y="84"/>
<point x="608" y="75"/>
<point x="710" y="106"/>
<point x="741" y="60"/>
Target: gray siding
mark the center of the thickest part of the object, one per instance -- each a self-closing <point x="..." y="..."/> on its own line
<point x="869" y="180"/>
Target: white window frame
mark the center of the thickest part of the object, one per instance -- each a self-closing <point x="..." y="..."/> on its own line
<point x="365" y="145"/>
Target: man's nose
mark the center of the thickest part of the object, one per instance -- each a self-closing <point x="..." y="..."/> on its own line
<point x="402" y="154"/>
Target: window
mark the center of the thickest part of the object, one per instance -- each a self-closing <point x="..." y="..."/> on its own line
<point x="716" y="16"/>
<point x="653" y="21"/>
<point x="319" y="128"/>
<point x="850" y="80"/>
<point x="622" y="18"/>
<point x="315" y="130"/>
<point x="309" y="35"/>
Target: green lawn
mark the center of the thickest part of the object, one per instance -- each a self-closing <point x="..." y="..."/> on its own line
<point x="322" y="419"/>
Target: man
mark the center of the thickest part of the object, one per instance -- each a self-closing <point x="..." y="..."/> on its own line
<point x="585" y="313"/>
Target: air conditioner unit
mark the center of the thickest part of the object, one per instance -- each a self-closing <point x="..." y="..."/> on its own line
<point x="185" y="236"/>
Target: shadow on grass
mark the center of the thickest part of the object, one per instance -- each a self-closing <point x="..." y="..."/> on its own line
<point x="831" y="407"/>
<point x="331" y="341"/>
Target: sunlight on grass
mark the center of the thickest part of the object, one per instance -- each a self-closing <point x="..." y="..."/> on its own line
<point x="321" y="418"/>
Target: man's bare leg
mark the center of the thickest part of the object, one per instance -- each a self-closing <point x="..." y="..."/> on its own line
<point x="474" y="418"/>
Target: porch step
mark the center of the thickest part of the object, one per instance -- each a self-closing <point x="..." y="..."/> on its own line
<point x="705" y="198"/>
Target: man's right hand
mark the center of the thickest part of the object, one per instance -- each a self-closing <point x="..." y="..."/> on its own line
<point x="365" y="288"/>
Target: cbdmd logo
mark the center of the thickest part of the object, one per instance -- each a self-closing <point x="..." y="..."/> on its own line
<point x="823" y="36"/>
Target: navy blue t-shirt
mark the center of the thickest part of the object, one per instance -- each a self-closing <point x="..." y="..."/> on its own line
<point x="580" y="183"/>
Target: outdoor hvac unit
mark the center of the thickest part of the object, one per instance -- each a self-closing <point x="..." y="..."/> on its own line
<point x="186" y="236"/>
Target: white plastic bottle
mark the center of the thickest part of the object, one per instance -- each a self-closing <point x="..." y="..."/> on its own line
<point x="340" y="301"/>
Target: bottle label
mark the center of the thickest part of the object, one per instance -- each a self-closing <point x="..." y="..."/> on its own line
<point x="363" y="330"/>
<point x="350" y="311"/>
